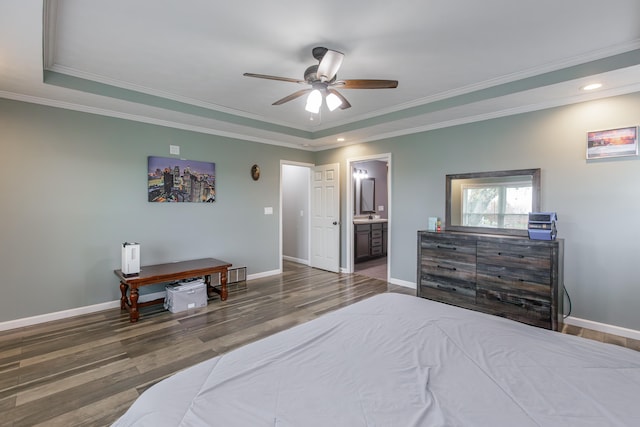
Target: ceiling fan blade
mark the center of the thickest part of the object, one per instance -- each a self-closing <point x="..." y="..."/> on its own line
<point x="366" y="84"/>
<point x="293" y="96"/>
<point x="283" y="79"/>
<point x="345" y="104"/>
<point x="329" y="65"/>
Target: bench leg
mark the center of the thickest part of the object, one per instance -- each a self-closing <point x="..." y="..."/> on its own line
<point x="123" y="298"/>
<point x="133" y="311"/>
<point x="224" y="293"/>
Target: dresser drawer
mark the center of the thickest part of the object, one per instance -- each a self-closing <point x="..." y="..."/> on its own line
<point x="449" y="265"/>
<point x="519" y="256"/>
<point x="447" y="269"/>
<point x="514" y="264"/>
<point x="496" y="279"/>
<point x="454" y="263"/>
<point x="533" y="311"/>
<point x="447" y="292"/>
<point x="459" y="287"/>
<point x="449" y="250"/>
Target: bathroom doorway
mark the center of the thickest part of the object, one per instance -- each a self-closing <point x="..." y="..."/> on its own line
<point x="369" y="207"/>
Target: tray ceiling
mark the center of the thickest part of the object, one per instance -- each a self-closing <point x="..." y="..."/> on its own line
<point x="180" y="64"/>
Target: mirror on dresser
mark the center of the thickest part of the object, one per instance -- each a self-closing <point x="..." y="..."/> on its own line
<point x="495" y="202"/>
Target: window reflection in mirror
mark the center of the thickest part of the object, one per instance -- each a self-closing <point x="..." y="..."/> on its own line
<point x="493" y="202"/>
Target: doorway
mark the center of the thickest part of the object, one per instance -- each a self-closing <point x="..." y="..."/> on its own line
<point x="295" y="184"/>
<point x="369" y="216"/>
<point x="310" y="214"/>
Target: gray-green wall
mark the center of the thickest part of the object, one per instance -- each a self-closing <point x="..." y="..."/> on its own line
<point x="73" y="189"/>
<point x="598" y="202"/>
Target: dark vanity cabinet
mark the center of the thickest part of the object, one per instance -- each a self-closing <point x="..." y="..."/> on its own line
<point x="362" y="237"/>
<point x="370" y="240"/>
<point x="512" y="277"/>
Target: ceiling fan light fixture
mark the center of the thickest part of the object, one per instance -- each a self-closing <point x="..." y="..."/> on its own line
<point x="314" y="101"/>
<point x="323" y="79"/>
<point x="333" y="101"/>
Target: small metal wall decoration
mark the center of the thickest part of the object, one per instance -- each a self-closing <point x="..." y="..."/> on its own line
<point x="255" y="172"/>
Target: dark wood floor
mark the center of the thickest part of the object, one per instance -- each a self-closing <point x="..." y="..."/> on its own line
<point x="87" y="370"/>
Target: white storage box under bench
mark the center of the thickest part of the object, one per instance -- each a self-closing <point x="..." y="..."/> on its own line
<point x="185" y="296"/>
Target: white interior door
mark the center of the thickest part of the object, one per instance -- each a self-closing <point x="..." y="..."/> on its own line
<point x="325" y="217"/>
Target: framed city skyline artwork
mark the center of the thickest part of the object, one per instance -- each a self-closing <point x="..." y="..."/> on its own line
<point x="171" y="180"/>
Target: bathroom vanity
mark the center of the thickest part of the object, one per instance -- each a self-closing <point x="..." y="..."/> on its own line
<point x="370" y="238"/>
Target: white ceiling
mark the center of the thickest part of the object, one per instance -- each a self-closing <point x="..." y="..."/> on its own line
<point x="180" y="63"/>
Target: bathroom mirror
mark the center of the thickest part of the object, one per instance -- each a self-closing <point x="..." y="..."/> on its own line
<point x="367" y="195"/>
<point x="492" y="202"/>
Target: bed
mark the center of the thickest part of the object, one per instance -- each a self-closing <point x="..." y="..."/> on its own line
<point x="399" y="360"/>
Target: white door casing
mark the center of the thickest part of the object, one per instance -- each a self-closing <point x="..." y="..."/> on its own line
<point x="325" y="217"/>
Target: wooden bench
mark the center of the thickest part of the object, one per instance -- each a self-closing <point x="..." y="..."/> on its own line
<point x="169" y="272"/>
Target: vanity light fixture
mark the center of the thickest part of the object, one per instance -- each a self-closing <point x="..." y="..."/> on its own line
<point x="360" y="173"/>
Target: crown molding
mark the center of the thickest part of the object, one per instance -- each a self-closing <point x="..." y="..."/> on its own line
<point x="144" y="119"/>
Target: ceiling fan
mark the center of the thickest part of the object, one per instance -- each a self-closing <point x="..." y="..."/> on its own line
<point x="323" y="81"/>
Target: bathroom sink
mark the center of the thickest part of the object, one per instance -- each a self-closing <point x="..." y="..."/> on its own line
<point x="368" y="221"/>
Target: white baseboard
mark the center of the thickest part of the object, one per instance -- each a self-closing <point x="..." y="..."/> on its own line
<point x="603" y="327"/>
<point x="50" y="317"/>
<point x="296" y="260"/>
<point x="404" y="283"/>
<point x="263" y="274"/>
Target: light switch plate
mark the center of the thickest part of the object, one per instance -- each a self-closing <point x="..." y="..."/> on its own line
<point x="268" y="210"/>
<point x="174" y="149"/>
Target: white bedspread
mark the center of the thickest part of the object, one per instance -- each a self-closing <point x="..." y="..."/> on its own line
<point x="398" y="360"/>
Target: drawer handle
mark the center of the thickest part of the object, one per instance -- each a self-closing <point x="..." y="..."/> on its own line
<point x="500" y="277"/>
<point x="503" y="254"/>
<point x="447" y="268"/>
<point x="451" y="248"/>
<point x="444" y="287"/>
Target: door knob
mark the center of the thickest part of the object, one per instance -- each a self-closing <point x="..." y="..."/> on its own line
<point x="335" y="222"/>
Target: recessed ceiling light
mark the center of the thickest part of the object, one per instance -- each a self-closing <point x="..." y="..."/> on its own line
<point x="592" y="86"/>
<point x="340" y="139"/>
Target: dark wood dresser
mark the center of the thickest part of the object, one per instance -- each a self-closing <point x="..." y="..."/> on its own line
<point x="512" y="277"/>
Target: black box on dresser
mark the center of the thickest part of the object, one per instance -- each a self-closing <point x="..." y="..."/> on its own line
<point x="512" y="277"/>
